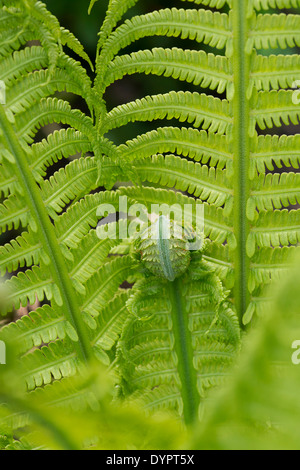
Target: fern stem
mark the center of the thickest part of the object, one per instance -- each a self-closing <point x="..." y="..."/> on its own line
<point x="47" y="236"/>
<point x="184" y="352"/>
<point x="241" y="108"/>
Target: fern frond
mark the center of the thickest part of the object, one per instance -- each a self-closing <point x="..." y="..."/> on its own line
<point x="102" y="286"/>
<point x="272" y="109"/>
<point x="275" y="71"/>
<point x="165" y="398"/>
<point x="183" y="175"/>
<point x="198" y="145"/>
<point x="58" y="145"/>
<point x="52" y="110"/>
<point x="13" y="214"/>
<point x="50" y="363"/>
<point x="12" y="33"/>
<point x="278" y="228"/>
<point x="152" y="347"/>
<point x="38" y="85"/>
<point x="24" y="250"/>
<point x="217" y="226"/>
<point x="80" y="217"/>
<point x="269" y="265"/>
<point x="116" y="9"/>
<point x="169" y="342"/>
<point x="38" y="23"/>
<point x="67" y="38"/>
<point x="42" y="326"/>
<point x="89" y="255"/>
<point x="8" y="181"/>
<point x="110" y="322"/>
<point x="211" y="3"/>
<point x="269" y="150"/>
<point x="266" y="4"/>
<point x="22" y="62"/>
<point x="73" y="181"/>
<point x="45" y="280"/>
<point x="276" y="190"/>
<point x="272" y="31"/>
<point x="219" y="257"/>
<point x="29" y="286"/>
<point x="202" y="26"/>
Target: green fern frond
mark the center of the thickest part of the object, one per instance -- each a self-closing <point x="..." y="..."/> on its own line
<point x="276" y="190"/>
<point x="170" y="337"/>
<point x="266" y="4"/>
<point x="116" y="9"/>
<point x="154" y="348"/>
<point x="59" y="144"/>
<point x="272" y="109"/>
<point x="275" y="72"/>
<point x="198" y="145"/>
<point x="110" y="323"/>
<point x="195" y="67"/>
<point x="21" y="251"/>
<point x="102" y="286"/>
<point x="36" y="86"/>
<point x="50" y="363"/>
<point x="89" y="255"/>
<point x="12" y="33"/>
<point x="76" y="222"/>
<point x="269" y="150"/>
<point x="13" y="214"/>
<point x="272" y="31"/>
<point x="22" y="62"/>
<point x="29" y="286"/>
<point x="42" y="326"/>
<point x="73" y="181"/>
<point x="202" y="26"/>
<point x="68" y="39"/>
<point x="219" y="257"/>
<point x="216" y="227"/>
<point x="52" y="110"/>
<point x="211" y="3"/>
<point x="278" y="228"/>
<point x="269" y="265"/>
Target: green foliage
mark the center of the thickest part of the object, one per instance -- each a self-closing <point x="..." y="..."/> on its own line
<point x="78" y="413"/>
<point x="260" y="407"/>
<point x="175" y="334"/>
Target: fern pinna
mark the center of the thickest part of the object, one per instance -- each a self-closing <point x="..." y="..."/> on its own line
<point x="169" y="340"/>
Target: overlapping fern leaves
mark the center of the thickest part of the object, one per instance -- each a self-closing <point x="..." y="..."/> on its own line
<point x="223" y="131"/>
<point x="214" y="154"/>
